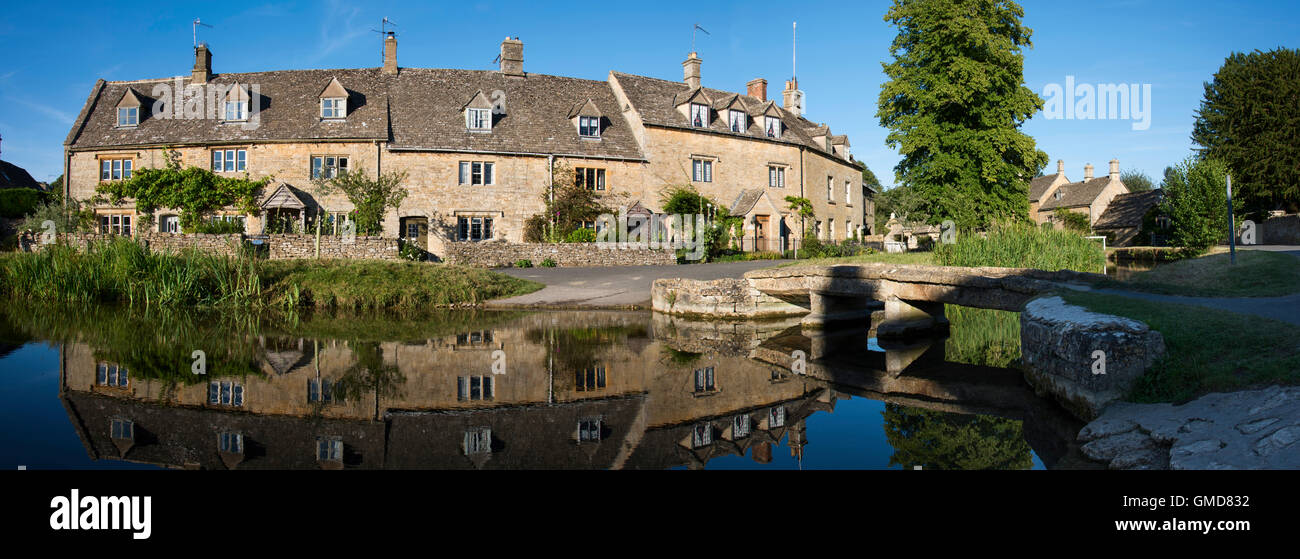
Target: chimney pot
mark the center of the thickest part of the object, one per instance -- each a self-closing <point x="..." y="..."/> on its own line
<point x="1087" y="172"/>
<point x="1114" y="169"/>
<point x="202" y="71"/>
<point x="390" y="54"/>
<point x="512" y="57"/>
<point x="757" y="88"/>
<point x="691" y="70"/>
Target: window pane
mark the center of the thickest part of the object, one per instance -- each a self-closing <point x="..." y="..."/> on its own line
<point x="117" y="169"/>
<point x="464" y="172"/>
<point x="106" y="172"/>
<point x="600" y="179"/>
<point x="487" y="173"/>
<point x="487" y="228"/>
<point x="243" y="159"/>
<point x="126" y="169"/>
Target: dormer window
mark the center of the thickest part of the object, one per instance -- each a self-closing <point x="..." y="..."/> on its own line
<point x="236" y="110"/>
<point x="478" y="119"/>
<point x="699" y="115"/>
<point x="773" y="126"/>
<point x="333" y="108"/>
<point x="737" y="121"/>
<point x="589" y="126"/>
<point x="128" y="117"/>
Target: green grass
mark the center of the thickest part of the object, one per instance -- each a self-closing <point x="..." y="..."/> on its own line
<point x="124" y="272"/>
<point x="1256" y="274"/>
<point x="982" y="336"/>
<point x="1205" y="350"/>
<point x="1023" y="246"/>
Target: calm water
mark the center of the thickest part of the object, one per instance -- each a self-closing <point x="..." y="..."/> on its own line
<point x="111" y="388"/>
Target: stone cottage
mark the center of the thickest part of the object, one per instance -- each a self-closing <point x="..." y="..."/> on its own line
<point x="480" y="147"/>
<point x="1089" y="197"/>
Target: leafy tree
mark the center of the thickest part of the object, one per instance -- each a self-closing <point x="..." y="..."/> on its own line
<point x="74" y="216"/>
<point x="1136" y="181"/>
<point x="869" y="178"/>
<point x="370" y="196"/>
<point x="1249" y="119"/>
<point x="943" y="441"/>
<point x="568" y="205"/>
<point x="954" y="104"/>
<point x="195" y="191"/>
<point x="1073" y="221"/>
<point x="1196" y="202"/>
<point x="905" y="203"/>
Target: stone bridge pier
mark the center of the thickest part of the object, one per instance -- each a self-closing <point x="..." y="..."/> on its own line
<point x="907" y="318"/>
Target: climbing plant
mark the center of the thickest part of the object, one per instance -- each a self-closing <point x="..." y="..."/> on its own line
<point x="195" y="191"/>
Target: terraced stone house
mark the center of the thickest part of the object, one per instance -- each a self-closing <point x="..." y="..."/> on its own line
<point x="480" y="147"/>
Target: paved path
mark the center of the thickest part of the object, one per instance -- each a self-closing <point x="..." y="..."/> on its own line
<point x="613" y="287"/>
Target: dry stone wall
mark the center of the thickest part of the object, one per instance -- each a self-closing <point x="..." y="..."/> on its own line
<point x="494" y="254"/>
<point x="280" y="247"/>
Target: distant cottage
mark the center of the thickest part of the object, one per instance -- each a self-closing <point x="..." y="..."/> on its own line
<point x="479" y="147"/>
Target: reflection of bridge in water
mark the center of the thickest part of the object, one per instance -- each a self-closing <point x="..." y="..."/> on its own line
<point x="580" y="390"/>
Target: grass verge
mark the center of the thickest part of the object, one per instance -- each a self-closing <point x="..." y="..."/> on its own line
<point x="1206" y="350"/>
<point x="1256" y="274"/>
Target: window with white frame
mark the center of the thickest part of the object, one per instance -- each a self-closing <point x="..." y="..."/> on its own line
<point x="128" y="116"/>
<point x="589" y="126"/>
<point x="476" y="173"/>
<point x="848" y="192"/>
<point x="740" y="426"/>
<point x="116" y="224"/>
<point x="115" y="169"/>
<point x="474" y="228"/>
<point x="830" y="223"/>
<point x="123" y="429"/>
<point x="478" y="440"/>
<point x="328" y="166"/>
<point x="776" y="176"/>
<point x="776" y="417"/>
<point x="478" y="119"/>
<point x="473" y="388"/>
<point x="591" y="179"/>
<point x="773" y="126"/>
<point x="225" y="393"/>
<point x="329" y="449"/>
<point x="320" y="390"/>
<point x="701" y="170"/>
<point x="702" y="435"/>
<point x="236" y="110"/>
<point x="229" y="160"/>
<point x="705" y="381"/>
<point x="589" y="430"/>
<point x="232" y="443"/>
<point x="333" y="108"/>
<point x="737" y="121"/>
<point x="111" y="374"/>
<point x="699" y="115"/>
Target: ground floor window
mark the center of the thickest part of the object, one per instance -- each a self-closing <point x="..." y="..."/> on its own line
<point x="116" y="224"/>
<point x="474" y="228"/>
<point x="225" y="393"/>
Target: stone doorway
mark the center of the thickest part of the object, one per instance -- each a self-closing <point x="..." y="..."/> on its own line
<point x="416" y="230"/>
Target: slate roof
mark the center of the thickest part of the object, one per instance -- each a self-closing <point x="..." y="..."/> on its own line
<point x="1039" y="185"/>
<point x="656" y="100"/>
<point x="1127" y="210"/>
<point x="1076" y="194"/>
<point x="13" y="176"/>
<point x="417" y="109"/>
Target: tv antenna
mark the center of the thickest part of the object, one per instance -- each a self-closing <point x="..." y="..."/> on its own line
<point x="195" y="30"/>
<point x="383" y="34"/>
<point x="794" y="46"/>
<point x="693" y="30"/>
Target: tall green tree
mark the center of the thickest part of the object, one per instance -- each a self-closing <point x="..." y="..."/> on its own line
<point x="1196" y="202"/>
<point x="954" y="105"/>
<point x="1250" y="120"/>
<point x="1136" y="181"/>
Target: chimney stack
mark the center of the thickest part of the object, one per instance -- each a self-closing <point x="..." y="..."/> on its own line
<point x="512" y="57"/>
<point x="1087" y="172"/>
<point x="1114" y="169"/>
<point x="757" y="88"/>
<point x="791" y="100"/>
<point x="202" y="71"/>
<point x="390" y="53"/>
<point x="691" y="70"/>
<point x="1060" y="166"/>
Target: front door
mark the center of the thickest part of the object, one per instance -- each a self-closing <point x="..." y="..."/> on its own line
<point x="760" y="232"/>
<point x="416" y="230"/>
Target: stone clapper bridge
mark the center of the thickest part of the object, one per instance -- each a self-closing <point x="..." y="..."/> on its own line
<point x="904" y="304"/>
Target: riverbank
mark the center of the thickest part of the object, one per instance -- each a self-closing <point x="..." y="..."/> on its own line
<point x="124" y="272"/>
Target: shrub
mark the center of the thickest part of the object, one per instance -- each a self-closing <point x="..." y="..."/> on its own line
<point x="18" y="202"/>
<point x="525" y="263"/>
<point x="548" y="263"/>
<point x="409" y="251"/>
<point x="1073" y="221"/>
<point x="581" y="235"/>
<point x="1196" y="202"/>
<point x="1023" y="246"/>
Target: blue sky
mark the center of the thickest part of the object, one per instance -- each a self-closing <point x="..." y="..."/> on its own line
<point x="52" y="52"/>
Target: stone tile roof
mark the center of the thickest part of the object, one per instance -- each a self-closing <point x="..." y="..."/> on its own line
<point x="1039" y="185"/>
<point x="746" y="200"/>
<point x="13" y="176"/>
<point x="1127" y="210"/>
<point x="417" y="109"/>
<point x="1076" y="194"/>
<point x="656" y="100"/>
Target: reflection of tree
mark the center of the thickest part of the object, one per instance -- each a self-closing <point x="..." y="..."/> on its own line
<point x="949" y="441"/>
<point x="369" y="374"/>
<point x="982" y="336"/>
<point x="575" y="349"/>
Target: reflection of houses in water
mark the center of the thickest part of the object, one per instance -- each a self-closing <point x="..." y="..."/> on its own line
<point x="622" y="403"/>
